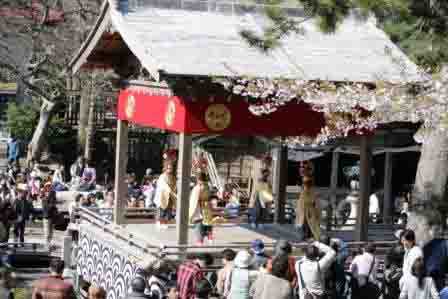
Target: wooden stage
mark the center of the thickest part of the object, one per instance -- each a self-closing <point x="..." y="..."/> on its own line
<point x="241" y="235"/>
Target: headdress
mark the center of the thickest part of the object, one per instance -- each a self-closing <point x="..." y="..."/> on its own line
<point x="200" y="164"/>
<point x="170" y="155"/>
<point x="306" y="170"/>
<point x="266" y="161"/>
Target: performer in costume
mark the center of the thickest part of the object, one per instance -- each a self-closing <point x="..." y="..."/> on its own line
<point x="308" y="206"/>
<point x="165" y="196"/>
<point x="260" y="198"/>
<point x="200" y="213"/>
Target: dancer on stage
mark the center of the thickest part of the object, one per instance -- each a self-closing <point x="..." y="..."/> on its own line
<point x="201" y="214"/>
<point x="260" y="198"/>
<point x="308" y="206"/>
<point x="165" y="196"/>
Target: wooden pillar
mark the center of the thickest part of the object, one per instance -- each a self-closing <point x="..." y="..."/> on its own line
<point x="333" y="187"/>
<point x="387" y="198"/>
<point x="280" y="183"/>
<point x="121" y="160"/>
<point x="362" y="221"/>
<point x="183" y="188"/>
<point x="90" y="130"/>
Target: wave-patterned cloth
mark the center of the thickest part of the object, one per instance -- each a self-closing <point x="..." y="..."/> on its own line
<point x="99" y="262"/>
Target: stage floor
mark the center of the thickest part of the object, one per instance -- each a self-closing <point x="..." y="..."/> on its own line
<point x="232" y="235"/>
<point x="239" y="235"/>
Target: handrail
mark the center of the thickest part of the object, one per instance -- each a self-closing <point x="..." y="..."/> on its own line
<point x="116" y="231"/>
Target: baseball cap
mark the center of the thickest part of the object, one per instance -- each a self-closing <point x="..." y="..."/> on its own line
<point x="257" y="246"/>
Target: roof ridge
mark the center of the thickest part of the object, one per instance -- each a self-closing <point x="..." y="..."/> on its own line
<point x="233" y="7"/>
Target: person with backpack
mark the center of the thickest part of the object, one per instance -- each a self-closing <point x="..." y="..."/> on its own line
<point x="311" y="270"/>
<point x="418" y="285"/>
<point x="364" y="270"/>
<point x="393" y="271"/>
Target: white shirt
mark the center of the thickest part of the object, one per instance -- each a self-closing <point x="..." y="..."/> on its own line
<point x="411" y="289"/>
<point x="313" y="279"/>
<point x="57" y="177"/>
<point x="361" y="265"/>
<point x="161" y="187"/>
<point x="374" y="205"/>
<point x="409" y="258"/>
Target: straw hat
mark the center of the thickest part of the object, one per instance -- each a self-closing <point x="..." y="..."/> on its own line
<point x="242" y="259"/>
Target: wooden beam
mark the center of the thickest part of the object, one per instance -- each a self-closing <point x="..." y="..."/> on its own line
<point x="387" y="199"/>
<point x="280" y="184"/>
<point x="121" y="160"/>
<point x="362" y="221"/>
<point x="183" y="188"/>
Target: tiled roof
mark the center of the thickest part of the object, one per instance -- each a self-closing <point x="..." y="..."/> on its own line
<point x="201" y="39"/>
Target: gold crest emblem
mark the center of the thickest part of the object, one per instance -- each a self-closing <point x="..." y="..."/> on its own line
<point x="130" y="107"/>
<point x="218" y="117"/>
<point x="170" y="113"/>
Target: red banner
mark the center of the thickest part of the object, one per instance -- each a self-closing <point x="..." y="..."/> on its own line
<point x="158" y="108"/>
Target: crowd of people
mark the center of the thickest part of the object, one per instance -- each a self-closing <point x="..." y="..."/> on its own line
<point x="323" y="269"/>
<point x="25" y="197"/>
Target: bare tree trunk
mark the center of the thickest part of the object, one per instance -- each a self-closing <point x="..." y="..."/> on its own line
<point x="429" y="207"/>
<point x="432" y="172"/>
<point x="38" y="140"/>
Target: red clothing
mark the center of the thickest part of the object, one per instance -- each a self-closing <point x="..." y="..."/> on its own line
<point x="188" y="274"/>
<point x="53" y="287"/>
<point x="292" y="275"/>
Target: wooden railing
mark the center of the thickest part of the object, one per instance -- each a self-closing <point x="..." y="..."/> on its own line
<point x="106" y="225"/>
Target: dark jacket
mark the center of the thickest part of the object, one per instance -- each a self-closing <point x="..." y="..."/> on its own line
<point x="49" y="209"/>
<point x="135" y="295"/>
<point x="22" y="209"/>
<point x="436" y="260"/>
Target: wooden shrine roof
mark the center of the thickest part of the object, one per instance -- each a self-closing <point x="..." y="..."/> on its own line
<point x="202" y="38"/>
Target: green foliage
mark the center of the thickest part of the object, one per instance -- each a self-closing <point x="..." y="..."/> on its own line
<point x="22" y="119"/>
<point x="419" y="27"/>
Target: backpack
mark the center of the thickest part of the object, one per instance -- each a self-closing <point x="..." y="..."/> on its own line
<point x="157" y="290"/>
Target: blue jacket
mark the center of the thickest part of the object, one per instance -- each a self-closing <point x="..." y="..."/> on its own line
<point x="13" y="150"/>
<point x="436" y="257"/>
